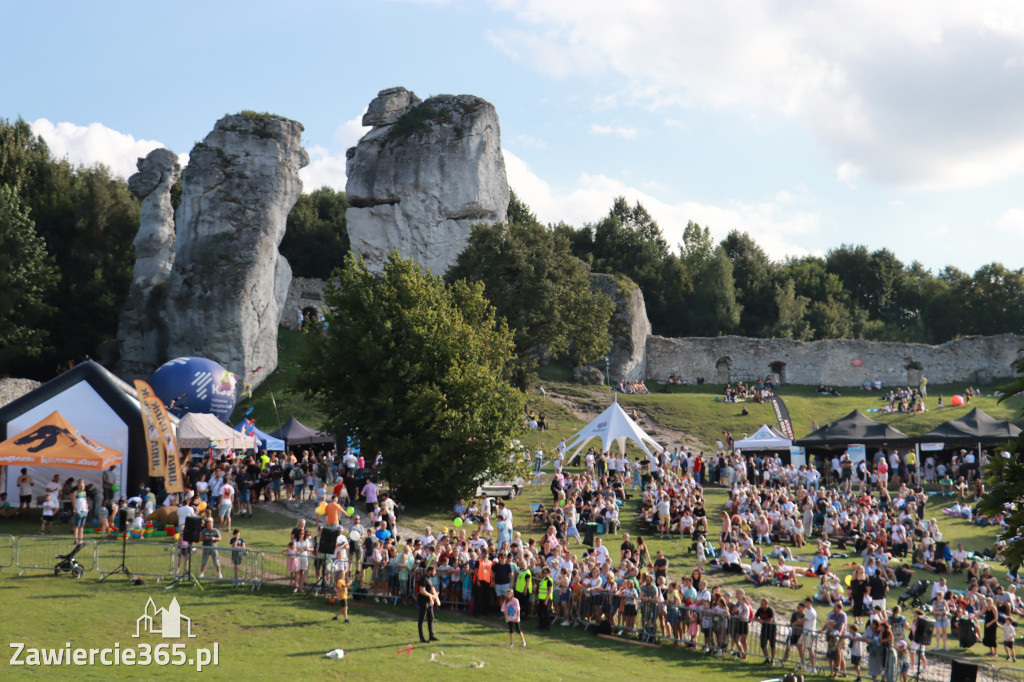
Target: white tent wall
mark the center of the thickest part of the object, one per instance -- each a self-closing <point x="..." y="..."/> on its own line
<point x="765" y="438"/>
<point x="612" y="426"/>
<point x="83" y="407"/>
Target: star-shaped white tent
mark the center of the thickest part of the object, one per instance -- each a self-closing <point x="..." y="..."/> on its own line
<point x="613" y="426"/>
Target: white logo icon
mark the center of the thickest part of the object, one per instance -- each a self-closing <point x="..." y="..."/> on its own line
<point x="164" y="622"/>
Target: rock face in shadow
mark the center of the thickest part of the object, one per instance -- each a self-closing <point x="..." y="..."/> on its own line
<point x="140" y="333"/>
<point x="227" y="289"/>
<point x="422" y="176"/>
<point x="627" y="358"/>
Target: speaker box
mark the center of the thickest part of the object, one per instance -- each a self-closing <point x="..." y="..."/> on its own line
<point x="125" y="518"/>
<point x="328" y="541"/>
<point x="963" y="672"/>
<point x="924" y="631"/>
<point x="193" y="524"/>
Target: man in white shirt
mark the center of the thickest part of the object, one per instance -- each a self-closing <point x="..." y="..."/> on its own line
<point x="184" y="511"/>
<point x="600" y="552"/>
<point x="810" y="632"/>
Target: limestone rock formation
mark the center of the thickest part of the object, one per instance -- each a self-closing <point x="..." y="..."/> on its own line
<point x="141" y="340"/>
<point x="389" y="106"/>
<point x="424" y="174"/>
<point x="629" y="327"/>
<point x="228" y="286"/>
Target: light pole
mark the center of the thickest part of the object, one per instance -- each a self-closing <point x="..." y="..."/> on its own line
<point x="607" y="371"/>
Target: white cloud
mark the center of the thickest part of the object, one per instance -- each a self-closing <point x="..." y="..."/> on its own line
<point x="918" y="94"/>
<point x="773" y="224"/>
<point x="327" y="166"/>
<point x="848" y="173"/>
<point x="1011" y="223"/>
<point x="624" y="132"/>
<point x="93" y="144"/>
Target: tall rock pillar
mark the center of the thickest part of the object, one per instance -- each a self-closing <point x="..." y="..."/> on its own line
<point x="140" y="332"/>
<point x="229" y="282"/>
<point x="422" y="176"/>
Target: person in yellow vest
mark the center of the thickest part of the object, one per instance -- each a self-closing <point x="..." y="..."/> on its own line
<point x="482" y="587"/>
<point x="911" y="463"/>
<point x="545" y="595"/>
<point x="523" y="587"/>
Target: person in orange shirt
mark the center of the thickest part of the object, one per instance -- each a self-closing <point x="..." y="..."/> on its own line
<point x="483" y="589"/>
<point x="332" y="513"/>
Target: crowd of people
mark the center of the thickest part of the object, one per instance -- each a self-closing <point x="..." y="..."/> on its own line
<point x="782" y="525"/>
<point x="757" y="392"/>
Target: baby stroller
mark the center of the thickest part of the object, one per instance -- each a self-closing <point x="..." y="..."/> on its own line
<point x="69" y="564"/>
<point x="915" y="593"/>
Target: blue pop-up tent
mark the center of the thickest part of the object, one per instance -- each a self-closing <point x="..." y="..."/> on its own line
<point x="267" y="442"/>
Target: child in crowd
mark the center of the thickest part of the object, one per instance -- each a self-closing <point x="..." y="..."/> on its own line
<point x="237" y="550"/>
<point x="49" y="509"/>
<point x="293" y="564"/>
<point x="511" y="610"/>
<point x="856" y="650"/>
<point x="341" y="594"/>
<point x="1009" y="634"/>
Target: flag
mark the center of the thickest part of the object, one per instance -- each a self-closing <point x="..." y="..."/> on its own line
<point x="782" y="414"/>
<point x="158" y="426"/>
<point x="154" y="438"/>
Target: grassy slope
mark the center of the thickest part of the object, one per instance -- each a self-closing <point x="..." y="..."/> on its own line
<point x="281" y="386"/>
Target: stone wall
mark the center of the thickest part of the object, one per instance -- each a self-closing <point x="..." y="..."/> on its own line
<point x="972" y="360"/>
<point x="304" y="293"/>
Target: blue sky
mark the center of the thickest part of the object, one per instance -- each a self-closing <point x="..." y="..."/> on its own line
<point x="808" y="125"/>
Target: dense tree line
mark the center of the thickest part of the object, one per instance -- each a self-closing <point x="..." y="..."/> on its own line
<point x="66" y="238"/>
<point x="705" y="289"/>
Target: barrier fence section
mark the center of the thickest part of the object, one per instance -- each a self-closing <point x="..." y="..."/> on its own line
<point x="6" y="551"/>
<point x="40" y="553"/>
<point x="140" y="558"/>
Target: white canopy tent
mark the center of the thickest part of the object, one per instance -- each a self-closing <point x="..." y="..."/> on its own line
<point x="613" y="426"/>
<point x="198" y="430"/>
<point x="765" y="438"/>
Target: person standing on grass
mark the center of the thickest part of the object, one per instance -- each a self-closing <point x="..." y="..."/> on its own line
<point x="210" y="536"/>
<point x="426" y="600"/>
<point x="765" y="615"/>
<point x="513" y="613"/>
<point x="545" y="594"/>
<point x="24" y="492"/>
<point x="341" y="594"/>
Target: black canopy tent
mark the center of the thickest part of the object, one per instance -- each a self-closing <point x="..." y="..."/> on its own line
<point x="974" y="428"/>
<point x="854" y="428"/>
<point x="295" y="432"/>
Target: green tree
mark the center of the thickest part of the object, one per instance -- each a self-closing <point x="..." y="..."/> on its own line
<point x="316" y="239"/>
<point x="713" y="309"/>
<point x="541" y="290"/>
<point x="1005" y="478"/>
<point x="754" y="275"/>
<point x="417" y="369"/>
<point x="27" y="275"/>
<point x="792" y="322"/>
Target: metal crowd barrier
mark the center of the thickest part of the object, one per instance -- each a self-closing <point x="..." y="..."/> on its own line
<point x="140" y="558"/>
<point x="6" y="551"/>
<point x="38" y="553"/>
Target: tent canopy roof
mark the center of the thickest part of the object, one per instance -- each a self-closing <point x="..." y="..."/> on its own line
<point x="295" y="432"/>
<point x="854" y="428"/>
<point x="54" y="442"/>
<point x="973" y="427"/>
<point x="613" y="426"/>
<point x="198" y="430"/>
<point x="266" y="441"/>
<point x="765" y="438"/>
